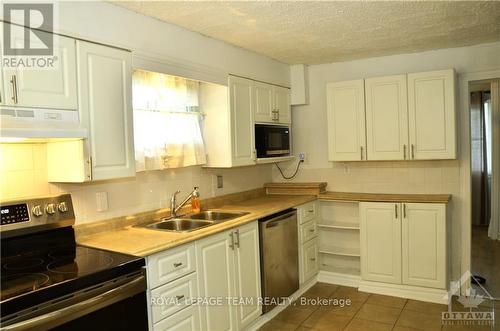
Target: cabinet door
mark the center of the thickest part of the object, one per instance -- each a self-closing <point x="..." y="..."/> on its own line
<point x="264" y="102"/>
<point x="386" y="118"/>
<point x="53" y="87"/>
<point x="424" y="244"/>
<point x="346" y="121"/>
<point x="106" y="110"/>
<point x="309" y="259"/>
<point x="187" y="319"/>
<point x="380" y="241"/>
<point x="242" y="127"/>
<point x="431" y="108"/>
<point x="247" y="273"/>
<point x="215" y="268"/>
<point x="282" y="104"/>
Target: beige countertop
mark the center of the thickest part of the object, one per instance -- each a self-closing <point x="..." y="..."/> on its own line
<point x="383" y="197"/>
<point x="143" y="242"/>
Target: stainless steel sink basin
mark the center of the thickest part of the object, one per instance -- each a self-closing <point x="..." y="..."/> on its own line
<point x="215" y="216"/>
<point x="179" y="225"/>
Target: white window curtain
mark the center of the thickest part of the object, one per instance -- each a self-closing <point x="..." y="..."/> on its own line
<point x="167" y="122"/>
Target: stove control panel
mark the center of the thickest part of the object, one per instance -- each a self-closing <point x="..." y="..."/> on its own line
<point x="14" y="214"/>
<point x="19" y="217"/>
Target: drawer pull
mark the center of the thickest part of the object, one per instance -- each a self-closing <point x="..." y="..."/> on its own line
<point x="311" y="210"/>
<point x="177" y="264"/>
<point x="311" y="230"/>
<point x="179" y="297"/>
<point x="312" y="259"/>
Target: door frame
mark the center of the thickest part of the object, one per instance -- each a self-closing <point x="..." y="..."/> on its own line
<point x="465" y="166"/>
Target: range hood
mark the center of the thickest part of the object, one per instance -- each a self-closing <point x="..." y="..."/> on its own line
<point x="39" y="125"/>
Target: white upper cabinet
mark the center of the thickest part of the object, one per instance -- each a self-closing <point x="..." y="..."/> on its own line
<point x="242" y="128"/>
<point x="424" y="244"/>
<point x="386" y="118"/>
<point x="282" y="108"/>
<point x="106" y="109"/>
<point x="380" y="241"/>
<point x="53" y="88"/>
<point x="346" y="121"/>
<point x="272" y="103"/>
<point x="264" y="102"/>
<point x="431" y="105"/>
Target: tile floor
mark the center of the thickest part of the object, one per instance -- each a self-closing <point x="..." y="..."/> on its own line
<point x="368" y="312"/>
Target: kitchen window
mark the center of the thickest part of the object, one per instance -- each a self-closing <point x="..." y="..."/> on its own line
<point x="167" y="121"/>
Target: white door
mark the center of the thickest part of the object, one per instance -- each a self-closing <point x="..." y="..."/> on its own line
<point x="424" y="244"/>
<point x="386" y="118"/>
<point x="52" y="87"/>
<point x="264" y="102"/>
<point x="242" y="127"/>
<point x="346" y="121"/>
<point x="215" y="268"/>
<point x="310" y="260"/>
<point x="106" y="109"/>
<point x="282" y="105"/>
<point x="431" y="108"/>
<point x="380" y="241"/>
<point x="247" y="273"/>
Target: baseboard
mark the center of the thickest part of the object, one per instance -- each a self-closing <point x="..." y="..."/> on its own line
<point x="405" y="291"/>
<point x="338" y="278"/>
<point x="263" y="319"/>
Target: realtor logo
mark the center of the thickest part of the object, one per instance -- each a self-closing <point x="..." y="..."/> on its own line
<point x="29" y="40"/>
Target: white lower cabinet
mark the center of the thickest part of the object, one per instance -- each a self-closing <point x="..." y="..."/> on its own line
<point x="185" y="320"/>
<point x="308" y="242"/>
<point x="404" y="243"/>
<point x="228" y="266"/>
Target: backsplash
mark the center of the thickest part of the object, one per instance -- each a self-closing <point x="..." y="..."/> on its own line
<point x="25" y="175"/>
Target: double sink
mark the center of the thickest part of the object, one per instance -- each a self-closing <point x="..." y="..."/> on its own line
<point x="193" y="222"/>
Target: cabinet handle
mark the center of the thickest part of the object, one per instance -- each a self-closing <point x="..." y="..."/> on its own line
<point x="396" y="210"/>
<point x="177" y="264"/>
<point x="404" y="210"/>
<point x="232" y="240"/>
<point x="13" y="81"/>
<point x="311" y="210"/>
<point x="311" y="230"/>
<point x="312" y="259"/>
<point x="237" y="242"/>
<point x="179" y="297"/>
<point x="413" y="151"/>
<point x="404" y="152"/>
<point x="361" y="152"/>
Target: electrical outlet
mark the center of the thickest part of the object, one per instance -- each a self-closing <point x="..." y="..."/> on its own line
<point x="302" y="157"/>
<point x="220" y="181"/>
<point x="101" y="200"/>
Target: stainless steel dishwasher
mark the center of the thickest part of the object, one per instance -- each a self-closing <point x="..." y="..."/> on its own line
<point x="279" y="257"/>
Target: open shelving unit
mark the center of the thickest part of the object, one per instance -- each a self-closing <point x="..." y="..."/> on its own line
<point x="338" y="237"/>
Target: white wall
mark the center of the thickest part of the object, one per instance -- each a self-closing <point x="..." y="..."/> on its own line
<point x="310" y="133"/>
<point x="186" y="51"/>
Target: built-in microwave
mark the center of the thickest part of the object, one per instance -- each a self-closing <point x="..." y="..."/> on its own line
<point x="272" y="140"/>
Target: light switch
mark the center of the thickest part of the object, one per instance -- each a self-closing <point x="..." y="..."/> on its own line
<point x="101" y="199"/>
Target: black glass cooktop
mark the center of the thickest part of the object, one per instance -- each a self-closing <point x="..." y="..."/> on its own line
<point x="47" y="265"/>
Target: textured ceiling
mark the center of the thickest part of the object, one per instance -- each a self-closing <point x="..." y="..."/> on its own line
<point x="329" y="31"/>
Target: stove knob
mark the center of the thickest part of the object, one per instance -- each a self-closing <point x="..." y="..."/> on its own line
<point x="50" y="209"/>
<point x="62" y="207"/>
<point x="37" y="211"/>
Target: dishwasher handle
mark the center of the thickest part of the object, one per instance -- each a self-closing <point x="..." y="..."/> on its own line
<point x="277" y="220"/>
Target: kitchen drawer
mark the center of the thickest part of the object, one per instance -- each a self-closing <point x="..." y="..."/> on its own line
<point x="171" y="264"/>
<point x="174" y="296"/>
<point x="308" y="231"/>
<point x="187" y="319"/>
<point x="309" y="259"/>
<point x="307" y="211"/>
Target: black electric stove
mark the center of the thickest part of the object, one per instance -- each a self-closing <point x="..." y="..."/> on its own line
<point x="41" y="265"/>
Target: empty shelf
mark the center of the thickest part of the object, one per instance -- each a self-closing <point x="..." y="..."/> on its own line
<point x="340" y="225"/>
<point x="344" y="251"/>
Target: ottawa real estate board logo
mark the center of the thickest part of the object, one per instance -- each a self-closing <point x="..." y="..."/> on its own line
<point x="27" y="39"/>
